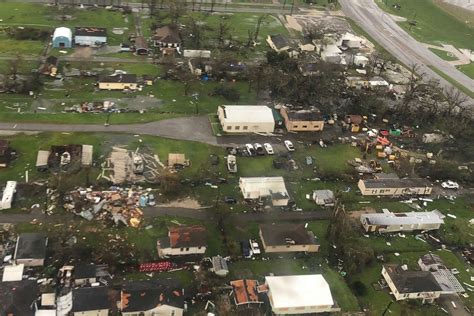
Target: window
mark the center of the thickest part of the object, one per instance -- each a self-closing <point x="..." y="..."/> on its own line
<point x="187" y="249"/>
<point x="245" y="128"/>
<point x="181" y="249"/>
<point x="229" y="128"/>
<point x="199" y="247"/>
<point x="304" y="126"/>
<point x="237" y="128"/>
<point x="295" y="125"/>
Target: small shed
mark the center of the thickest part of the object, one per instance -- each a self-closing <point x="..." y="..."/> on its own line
<point x="177" y="160"/>
<point x="219" y="266"/>
<point x="141" y="46"/>
<point x="13" y="273"/>
<point x="324" y="197"/>
<point x="86" y="155"/>
<point x="42" y="160"/>
<point x="30" y="249"/>
<point x="62" y="37"/>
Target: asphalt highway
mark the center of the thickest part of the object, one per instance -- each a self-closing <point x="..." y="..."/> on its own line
<point x="399" y="43"/>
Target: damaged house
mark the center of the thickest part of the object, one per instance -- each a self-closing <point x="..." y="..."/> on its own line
<point x="183" y="240"/>
<point x="30" y="249"/>
<point x="118" y="82"/>
<point x="278" y="238"/>
<point x="64" y="157"/>
<point x="389" y="222"/>
<point x="262" y="188"/>
<point x="153" y="297"/>
<point x="405" y="284"/>
<point x="302" y="120"/>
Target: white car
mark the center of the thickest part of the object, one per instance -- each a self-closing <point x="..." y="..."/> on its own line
<point x="450" y="185"/>
<point x="289" y="145"/>
<point x="254" y="247"/>
<point x="250" y="149"/>
<point x="268" y="148"/>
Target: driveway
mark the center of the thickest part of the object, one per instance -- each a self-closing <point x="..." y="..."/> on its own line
<point x="390" y="35"/>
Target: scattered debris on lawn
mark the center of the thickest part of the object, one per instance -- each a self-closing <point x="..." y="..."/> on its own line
<point x="131" y="166"/>
<point x="120" y="205"/>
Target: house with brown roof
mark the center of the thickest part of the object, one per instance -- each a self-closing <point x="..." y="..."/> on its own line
<point x="355" y="122"/>
<point x="166" y="37"/>
<point x="302" y="120"/>
<point x="287" y="238"/>
<point x="152" y="297"/>
<point x="245" y="292"/>
<point x="183" y="240"/>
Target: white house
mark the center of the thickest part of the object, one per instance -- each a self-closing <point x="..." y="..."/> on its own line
<point x="388" y="222"/>
<point x="150" y="298"/>
<point x="350" y="40"/>
<point x="274" y="188"/>
<point x="394" y="187"/>
<point x="8" y="194"/>
<point x="405" y="284"/>
<point x="360" y="61"/>
<point x="90" y="36"/>
<point x="299" y="294"/>
<point x="331" y="54"/>
<point x="246" y="118"/>
<point x="183" y="240"/>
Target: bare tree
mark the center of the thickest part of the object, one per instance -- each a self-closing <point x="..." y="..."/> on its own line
<point x="223" y="32"/>
<point x="260" y="20"/>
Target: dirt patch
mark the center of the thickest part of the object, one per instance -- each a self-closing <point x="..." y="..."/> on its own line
<point x="82" y="52"/>
<point x="184" y="203"/>
<point x="365" y="210"/>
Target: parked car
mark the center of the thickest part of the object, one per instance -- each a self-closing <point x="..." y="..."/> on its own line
<point x="230" y="200"/>
<point x="246" y="251"/>
<point x="254" y="247"/>
<point x="259" y="149"/>
<point x="268" y="148"/>
<point x="450" y="185"/>
<point x="151" y="200"/>
<point x="232" y="164"/>
<point x="250" y="149"/>
<point x="289" y="145"/>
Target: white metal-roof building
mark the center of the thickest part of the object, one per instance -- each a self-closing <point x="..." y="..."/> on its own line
<point x="62" y="37"/>
<point x="265" y="187"/>
<point x="13" y="273"/>
<point x="388" y="222"/>
<point x="246" y="118"/>
<point x="7" y="197"/>
<point x="299" y="294"/>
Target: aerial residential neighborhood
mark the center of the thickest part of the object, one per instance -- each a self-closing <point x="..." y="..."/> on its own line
<point x="236" y="157"/>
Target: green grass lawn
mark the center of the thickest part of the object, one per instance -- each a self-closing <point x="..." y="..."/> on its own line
<point x="467" y="69"/>
<point x="443" y="54"/>
<point x="434" y="25"/>
<point x="13" y="47"/>
<point x="20" y="14"/>
<point x="453" y="82"/>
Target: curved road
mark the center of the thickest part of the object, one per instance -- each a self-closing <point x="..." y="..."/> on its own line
<point x="397" y="41"/>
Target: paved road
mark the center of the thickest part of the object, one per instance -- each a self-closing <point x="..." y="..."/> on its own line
<point x="195" y="128"/>
<point x="200" y="214"/>
<point x="398" y="42"/>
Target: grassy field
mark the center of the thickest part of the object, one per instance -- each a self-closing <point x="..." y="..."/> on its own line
<point x="434" y="25"/>
<point x="467" y="69"/>
<point x="453" y="82"/>
<point x="443" y="54"/>
<point x="19" y="14"/>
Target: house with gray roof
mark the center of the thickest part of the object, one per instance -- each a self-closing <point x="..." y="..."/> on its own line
<point x="405" y="284"/>
<point x="389" y="222"/>
<point x="30" y="249"/>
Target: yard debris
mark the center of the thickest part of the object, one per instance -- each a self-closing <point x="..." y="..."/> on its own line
<point x="120" y="205"/>
<point x="131" y="166"/>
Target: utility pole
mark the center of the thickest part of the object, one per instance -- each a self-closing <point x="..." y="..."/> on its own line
<point x="292" y="6"/>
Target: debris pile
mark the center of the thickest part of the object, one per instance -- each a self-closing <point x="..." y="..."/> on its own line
<point x="93" y="107"/>
<point x="120" y="205"/>
<point x="131" y="166"/>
